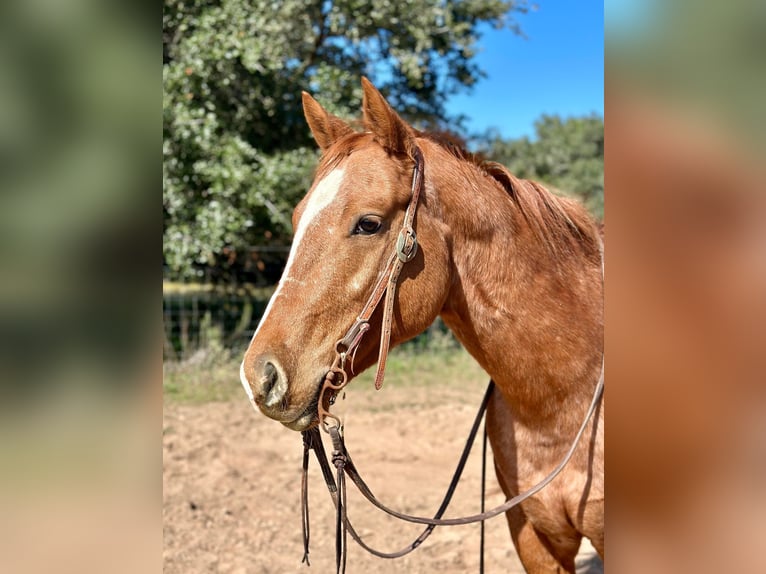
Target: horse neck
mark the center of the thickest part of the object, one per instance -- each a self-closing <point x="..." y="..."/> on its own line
<point x="531" y="319"/>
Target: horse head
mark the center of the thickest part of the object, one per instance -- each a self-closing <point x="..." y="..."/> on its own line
<point x="345" y="229"/>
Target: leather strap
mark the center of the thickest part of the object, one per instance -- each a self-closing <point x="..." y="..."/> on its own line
<point x="405" y="251"/>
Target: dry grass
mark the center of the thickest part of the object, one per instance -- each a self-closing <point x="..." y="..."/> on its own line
<point x="213" y="375"/>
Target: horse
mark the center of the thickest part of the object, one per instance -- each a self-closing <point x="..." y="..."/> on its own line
<point x="514" y="271"/>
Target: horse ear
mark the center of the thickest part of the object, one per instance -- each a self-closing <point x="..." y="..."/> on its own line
<point x="327" y="128"/>
<point x="391" y="131"/>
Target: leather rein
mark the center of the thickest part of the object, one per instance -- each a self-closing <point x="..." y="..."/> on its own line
<point x="337" y="378"/>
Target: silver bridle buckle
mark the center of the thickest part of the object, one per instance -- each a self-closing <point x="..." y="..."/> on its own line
<point x="406" y="245"/>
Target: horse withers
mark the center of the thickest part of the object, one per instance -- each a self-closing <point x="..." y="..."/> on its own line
<point x="513" y="270"/>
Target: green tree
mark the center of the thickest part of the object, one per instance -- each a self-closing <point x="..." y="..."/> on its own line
<point x="237" y="152"/>
<point x="566" y="154"/>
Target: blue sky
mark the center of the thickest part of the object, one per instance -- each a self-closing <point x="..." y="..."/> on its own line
<point x="557" y="69"/>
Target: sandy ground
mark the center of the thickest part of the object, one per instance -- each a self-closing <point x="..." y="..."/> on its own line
<point x="231" y="493"/>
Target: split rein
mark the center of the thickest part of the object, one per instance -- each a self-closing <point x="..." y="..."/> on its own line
<point x="337" y="378"/>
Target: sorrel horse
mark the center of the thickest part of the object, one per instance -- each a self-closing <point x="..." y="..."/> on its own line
<point x="514" y="272"/>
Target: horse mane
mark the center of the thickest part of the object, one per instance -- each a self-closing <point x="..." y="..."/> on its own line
<point x="561" y="224"/>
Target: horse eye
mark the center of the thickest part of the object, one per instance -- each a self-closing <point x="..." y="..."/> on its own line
<point x="368" y="225"/>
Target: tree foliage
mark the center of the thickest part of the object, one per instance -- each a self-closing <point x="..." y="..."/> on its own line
<point x="566" y="154"/>
<point x="237" y="152"/>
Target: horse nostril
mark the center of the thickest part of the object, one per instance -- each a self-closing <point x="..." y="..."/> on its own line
<point x="269" y="378"/>
<point x="273" y="385"/>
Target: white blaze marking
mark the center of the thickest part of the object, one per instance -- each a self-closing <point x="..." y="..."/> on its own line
<point x="246" y="383"/>
<point x="322" y="196"/>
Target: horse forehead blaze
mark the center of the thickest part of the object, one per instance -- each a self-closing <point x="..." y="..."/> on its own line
<point x="323" y="195"/>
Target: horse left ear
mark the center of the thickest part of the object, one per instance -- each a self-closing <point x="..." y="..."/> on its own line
<point x="391" y="131"/>
<point x="325" y="127"/>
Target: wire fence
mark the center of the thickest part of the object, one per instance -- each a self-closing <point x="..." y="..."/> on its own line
<point x="221" y="309"/>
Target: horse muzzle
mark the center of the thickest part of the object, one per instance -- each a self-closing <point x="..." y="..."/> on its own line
<point x="266" y="384"/>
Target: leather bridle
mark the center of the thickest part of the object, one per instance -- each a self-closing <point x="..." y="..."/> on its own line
<point x="337" y="378"/>
<point x="406" y="249"/>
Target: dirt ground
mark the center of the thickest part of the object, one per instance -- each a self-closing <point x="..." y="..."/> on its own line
<point x="231" y="493"/>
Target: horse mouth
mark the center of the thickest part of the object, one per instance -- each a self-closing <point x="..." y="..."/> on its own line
<point x="305" y="420"/>
<point x="310" y="415"/>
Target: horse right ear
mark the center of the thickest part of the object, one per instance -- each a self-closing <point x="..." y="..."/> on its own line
<point x="391" y="131"/>
<point x="326" y="128"/>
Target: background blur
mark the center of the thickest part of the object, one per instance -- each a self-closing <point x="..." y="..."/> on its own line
<point x="79" y="310"/>
<point x="686" y="285"/>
